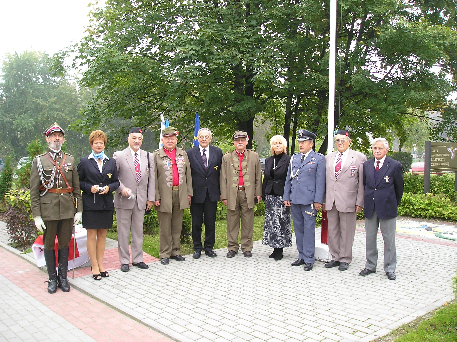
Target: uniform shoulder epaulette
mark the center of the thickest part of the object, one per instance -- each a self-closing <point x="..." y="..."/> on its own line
<point x="320" y="154"/>
<point x="228" y="152"/>
<point x="42" y="154"/>
<point x="68" y="154"/>
<point x="156" y="150"/>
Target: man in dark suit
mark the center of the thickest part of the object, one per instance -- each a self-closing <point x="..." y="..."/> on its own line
<point x="205" y="162"/>
<point x="383" y="182"/>
<point x="304" y="192"/>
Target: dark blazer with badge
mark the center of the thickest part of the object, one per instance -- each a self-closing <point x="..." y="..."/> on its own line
<point x="164" y="180"/>
<point x="89" y="175"/>
<point x="383" y="195"/>
<point x="205" y="180"/>
<point x="53" y="206"/>
<point x="307" y="185"/>
<point x="278" y="182"/>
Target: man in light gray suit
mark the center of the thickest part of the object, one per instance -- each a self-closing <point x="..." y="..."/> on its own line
<point x="343" y="199"/>
<point x="135" y="194"/>
<point x="304" y="191"/>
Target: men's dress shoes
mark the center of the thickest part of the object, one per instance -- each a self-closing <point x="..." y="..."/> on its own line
<point x="308" y="266"/>
<point x="164" y="261"/>
<point x="197" y="254"/>
<point x="247" y="254"/>
<point x="298" y="262"/>
<point x="211" y="253"/>
<point x="391" y="275"/>
<point x="343" y="266"/>
<point x="141" y="265"/>
<point x="178" y="257"/>
<point x="366" y="272"/>
<point x="125" y="268"/>
<point x="332" y="263"/>
<point x="231" y="254"/>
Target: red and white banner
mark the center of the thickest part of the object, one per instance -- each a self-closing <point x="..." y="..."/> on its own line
<point x="81" y="256"/>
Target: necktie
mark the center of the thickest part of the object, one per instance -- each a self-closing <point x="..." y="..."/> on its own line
<point x="136" y="163"/>
<point x="377" y="165"/>
<point x="338" y="166"/>
<point x="205" y="161"/>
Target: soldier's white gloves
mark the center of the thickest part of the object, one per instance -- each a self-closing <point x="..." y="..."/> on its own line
<point x="78" y="217"/>
<point x="39" y="223"/>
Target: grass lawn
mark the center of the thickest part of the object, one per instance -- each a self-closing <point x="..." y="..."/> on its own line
<point x="151" y="242"/>
<point x="439" y="325"/>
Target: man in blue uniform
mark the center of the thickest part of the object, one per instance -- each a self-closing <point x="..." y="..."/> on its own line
<point x="304" y="191"/>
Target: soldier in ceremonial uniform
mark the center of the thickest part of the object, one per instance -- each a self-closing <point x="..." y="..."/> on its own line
<point x="304" y="191"/>
<point x="241" y="188"/>
<point x="54" y="193"/>
<point x="173" y="193"/>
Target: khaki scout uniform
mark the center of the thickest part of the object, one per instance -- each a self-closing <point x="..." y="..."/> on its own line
<point x="173" y="199"/>
<point x="240" y="200"/>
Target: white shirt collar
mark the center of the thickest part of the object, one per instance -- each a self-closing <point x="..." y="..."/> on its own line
<point x="381" y="162"/>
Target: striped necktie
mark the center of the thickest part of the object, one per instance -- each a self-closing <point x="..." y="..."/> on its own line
<point x="338" y="166"/>
<point x="136" y="163"/>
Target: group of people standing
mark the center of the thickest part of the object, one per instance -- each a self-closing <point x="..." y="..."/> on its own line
<point x="171" y="180"/>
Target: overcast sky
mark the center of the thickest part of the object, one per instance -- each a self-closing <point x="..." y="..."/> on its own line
<point x="41" y="25"/>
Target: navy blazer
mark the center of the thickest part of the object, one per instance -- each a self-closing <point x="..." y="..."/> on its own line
<point x="384" y="195"/>
<point x="278" y="182"/>
<point x="205" y="181"/>
<point x="90" y="175"/>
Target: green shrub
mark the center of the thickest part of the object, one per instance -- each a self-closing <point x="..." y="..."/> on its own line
<point x="405" y="158"/>
<point x="6" y="178"/>
<point x="151" y="223"/>
<point x="428" y="206"/>
<point x="19" y="223"/>
<point x="439" y="185"/>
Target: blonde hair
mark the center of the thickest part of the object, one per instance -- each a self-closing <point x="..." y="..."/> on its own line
<point x="97" y="135"/>
<point x="275" y="138"/>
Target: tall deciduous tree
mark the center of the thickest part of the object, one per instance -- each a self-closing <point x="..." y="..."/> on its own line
<point x="233" y="60"/>
<point x="31" y="99"/>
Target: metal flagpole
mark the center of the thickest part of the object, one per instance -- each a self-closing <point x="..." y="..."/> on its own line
<point x="331" y="72"/>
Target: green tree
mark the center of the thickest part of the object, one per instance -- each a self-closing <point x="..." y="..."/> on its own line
<point x="31" y="99"/>
<point x="235" y="60"/>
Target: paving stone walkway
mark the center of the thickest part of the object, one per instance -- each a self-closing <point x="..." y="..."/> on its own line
<point x="259" y="299"/>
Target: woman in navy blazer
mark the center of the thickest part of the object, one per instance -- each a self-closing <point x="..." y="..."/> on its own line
<point x="98" y="179"/>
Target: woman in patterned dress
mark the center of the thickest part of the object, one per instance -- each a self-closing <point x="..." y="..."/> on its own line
<point x="276" y="232"/>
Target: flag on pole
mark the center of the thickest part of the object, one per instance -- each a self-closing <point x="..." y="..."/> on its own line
<point x="196" y="129"/>
<point x="163" y="125"/>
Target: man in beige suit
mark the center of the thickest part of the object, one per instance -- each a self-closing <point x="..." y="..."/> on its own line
<point x="343" y="198"/>
<point x="135" y="194"/>
<point x="241" y="188"/>
<point x="173" y="193"/>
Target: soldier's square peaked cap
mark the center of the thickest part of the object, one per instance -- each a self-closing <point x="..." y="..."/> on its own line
<point x="303" y="135"/>
<point x="169" y="131"/>
<point x="53" y="128"/>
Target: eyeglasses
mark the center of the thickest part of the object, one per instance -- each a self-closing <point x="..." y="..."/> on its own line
<point x="342" y="141"/>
